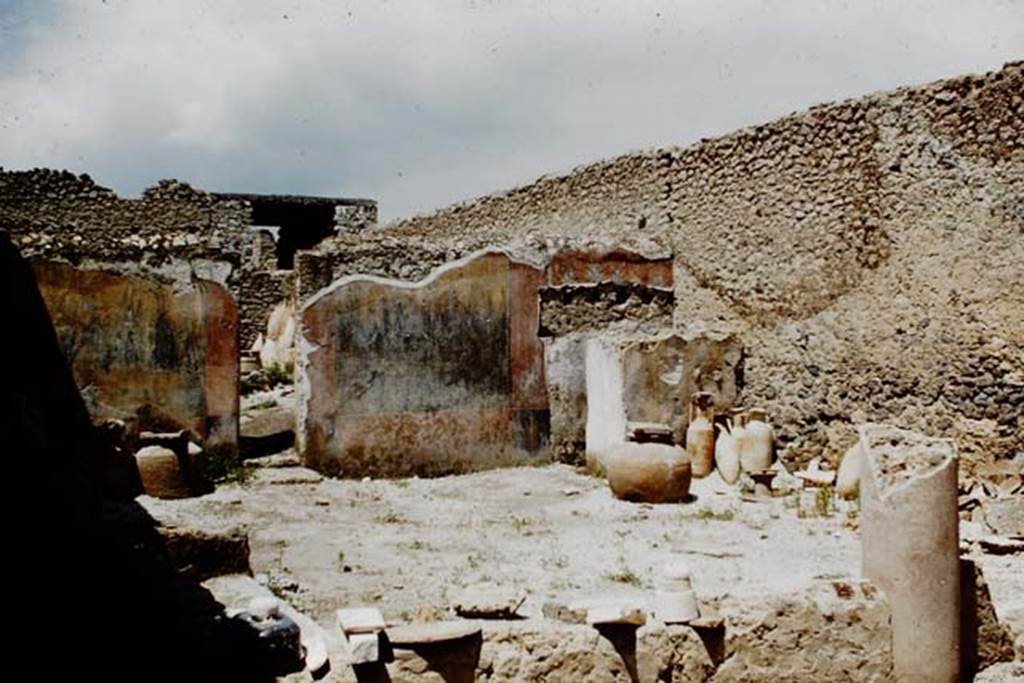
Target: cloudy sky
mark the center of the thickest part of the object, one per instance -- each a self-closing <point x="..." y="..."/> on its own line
<point x="419" y="103"/>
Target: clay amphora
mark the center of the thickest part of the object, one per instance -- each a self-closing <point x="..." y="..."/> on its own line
<point x="738" y="429"/>
<point x="848" y="478"/>
<point x="648" y="472"/>
<point x="727" y="455"/>
<point x="758" y="451"/>
<point x="700" y="435"/>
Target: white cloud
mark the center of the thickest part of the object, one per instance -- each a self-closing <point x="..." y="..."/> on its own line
<point x="421" y="103"/>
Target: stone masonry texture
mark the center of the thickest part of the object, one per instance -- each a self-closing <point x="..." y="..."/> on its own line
<point x="869" y="254"/>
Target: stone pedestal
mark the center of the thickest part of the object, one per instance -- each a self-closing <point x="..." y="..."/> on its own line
<point x="910" y="546"/>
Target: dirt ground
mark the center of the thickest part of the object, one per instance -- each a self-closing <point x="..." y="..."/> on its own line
<point x="554" y="533"/>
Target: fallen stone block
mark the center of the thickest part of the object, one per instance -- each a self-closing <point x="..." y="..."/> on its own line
<point x="264" y="431"/>
<point x="840" y="631"/>
<point x="288" y="458"/>
<point x="207" y="552"/>
<point x="415" y="635"/>
<point x="360" y="620"/>
<point x="1005" y="516"/>
<point x="364" y="648"/>
<point x="488" y="601"/>
<point x="560" y="612"/>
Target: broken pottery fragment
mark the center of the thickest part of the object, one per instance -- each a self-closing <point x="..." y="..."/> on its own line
<point x="648" y="472"/>
<point x="700" y="435"/>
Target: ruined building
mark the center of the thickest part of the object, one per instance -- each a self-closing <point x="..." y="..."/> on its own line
<point x="831" y="275"/>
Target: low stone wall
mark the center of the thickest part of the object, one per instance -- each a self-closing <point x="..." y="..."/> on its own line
<point x="158" y="358"/>
<point x="831" y="632"/>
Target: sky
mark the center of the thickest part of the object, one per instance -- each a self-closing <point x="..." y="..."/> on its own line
<point x="421" y="103"/>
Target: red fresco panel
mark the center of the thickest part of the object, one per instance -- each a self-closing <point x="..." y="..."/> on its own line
<point x="529" y="388"/>
<point x="619" y="265"/>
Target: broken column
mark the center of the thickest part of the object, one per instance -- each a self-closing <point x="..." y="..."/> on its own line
<point x="910" y="546"/>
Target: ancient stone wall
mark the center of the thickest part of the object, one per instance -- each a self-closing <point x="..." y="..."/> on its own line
<point x="158" y="358"/>
<point x="445" y="375"/>
<point x="172" y="233"/>
<point x="868" y="252"/>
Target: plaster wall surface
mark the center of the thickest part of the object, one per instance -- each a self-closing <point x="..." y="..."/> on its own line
<point x="142" y="352"/>
<point x="443" y="375"/>
<point x="868" y="252"/>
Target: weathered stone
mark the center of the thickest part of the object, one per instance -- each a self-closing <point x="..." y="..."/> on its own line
<point x="910" y="546"/>
<point x="414" y="635"/>
<point x="1006" y="672"/>
<point x="364" y="648"/>
<point x="444" y="375"/>
<point x="488" y="601"/>
<point x="281" y="639"/>
<point x="830" y="632"/>
<point x="559" y="612"/>
<point x="360" y="620"/>
<point x="1005" y="515"/>
<point x="264" y="431"/>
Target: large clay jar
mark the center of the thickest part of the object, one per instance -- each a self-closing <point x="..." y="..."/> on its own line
<point x="738" y="429"/>
<point x="727" y="455"/>
<point x="759" y="449"/>
<point x="848" y="477"/>
<point x="161" y="473"/>
<point x="700" y="435"/>
<point x="648" y="472"/>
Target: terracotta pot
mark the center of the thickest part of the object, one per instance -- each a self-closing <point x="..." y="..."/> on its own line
<point x="700" y="435"/>
<point x="727" y="455"/>
<point x="759" y="449"/>
<point x="161" y="473"/>
<point x="648" y="472"/>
